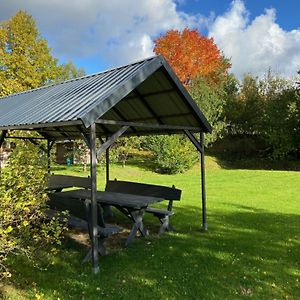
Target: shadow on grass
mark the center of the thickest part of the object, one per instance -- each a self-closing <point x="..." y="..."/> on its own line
<point x="248" y="252"/>
<point x="258" y="164"/>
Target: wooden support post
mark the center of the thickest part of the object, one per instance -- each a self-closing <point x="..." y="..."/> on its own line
<point x="49" y="147"/>
<point x="203" y="192"/>
<point x="93" y="167"/>
<point x="107" y="163"/>
<point x="48" y="156"/>
<point x="2" y="137"/>
<point x="200" y="147"/>
<point x="107" y="209"/>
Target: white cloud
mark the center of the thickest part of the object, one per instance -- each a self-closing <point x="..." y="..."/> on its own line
<point x="257" y="45"/>
<point x="121" y="31"/>
<point x="114" y="30"/>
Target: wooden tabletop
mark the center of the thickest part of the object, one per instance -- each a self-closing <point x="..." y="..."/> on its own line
<point x="111" y="198"/>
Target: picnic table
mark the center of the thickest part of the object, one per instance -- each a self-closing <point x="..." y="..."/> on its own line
<point x="132" y="206"/>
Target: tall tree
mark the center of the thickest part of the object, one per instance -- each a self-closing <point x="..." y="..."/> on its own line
<point x="25" y="58"/>
<point x="191" y="55"/>
<point x="69" y="71"/>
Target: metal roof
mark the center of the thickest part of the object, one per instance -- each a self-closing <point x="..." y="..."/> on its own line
<point x="146" y="92"/>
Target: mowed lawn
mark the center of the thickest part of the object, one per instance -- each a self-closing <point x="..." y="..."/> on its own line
<point x="251" y="250"/>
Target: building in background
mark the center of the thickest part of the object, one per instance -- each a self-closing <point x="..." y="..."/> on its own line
<point x="65" y="152"/>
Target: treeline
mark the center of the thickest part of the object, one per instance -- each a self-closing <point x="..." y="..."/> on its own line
<point x="255" y="117"/>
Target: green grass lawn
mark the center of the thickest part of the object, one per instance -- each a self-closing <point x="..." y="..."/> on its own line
<point x="251" y="250"/>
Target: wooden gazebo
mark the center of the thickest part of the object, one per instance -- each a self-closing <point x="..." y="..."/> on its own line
<point x="142" y="98"/>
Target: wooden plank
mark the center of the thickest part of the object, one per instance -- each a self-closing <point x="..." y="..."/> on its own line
<point x="168" y="193"/>
<point x="148" y="125"/>
<point x="193" y="139"/>
<point x="68" y="181"/>
<point x="115" y="199"/>
<point x="111" y="140"/>
<point x="159" y="212"/>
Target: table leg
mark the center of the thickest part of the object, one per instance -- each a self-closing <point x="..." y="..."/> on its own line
<point x="137" y="217"/>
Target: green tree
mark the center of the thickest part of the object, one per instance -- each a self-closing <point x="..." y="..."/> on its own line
<point x="25" y="58"/>
<point x="69" y="71"/>
<point x="210" y="101"/>
<point x="281" y="122"/>
<point x="245" y="110"/>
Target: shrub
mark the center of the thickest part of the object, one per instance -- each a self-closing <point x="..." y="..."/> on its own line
<point x="23" y="226"/>
<point x="172" y="154"/>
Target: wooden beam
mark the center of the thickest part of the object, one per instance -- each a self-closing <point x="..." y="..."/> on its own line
<point x="44" y="125"/>
<point x="148" y="107"/>
<point x="151" y="94"/>
<point x="84" y="136"/>
<point x="111" y="140"/>
<point x="193" y="139"/>
<point x="148" y="125"/>
<point x="94" y="214"/>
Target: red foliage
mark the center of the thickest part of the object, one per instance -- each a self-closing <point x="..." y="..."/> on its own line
<point x="190" y="55"/>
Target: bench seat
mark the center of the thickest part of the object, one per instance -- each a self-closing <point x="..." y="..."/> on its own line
<point x="79" y="210"/>
<point x="159" y="212"/>
<point x="168" y="193"/>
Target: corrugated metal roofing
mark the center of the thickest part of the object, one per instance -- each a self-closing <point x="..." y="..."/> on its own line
<point x="144" y="91"/>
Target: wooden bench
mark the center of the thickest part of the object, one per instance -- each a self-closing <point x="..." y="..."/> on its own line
<point x="79" y="210"/>
<point x="142" y="189"/>
<point x="58" y="182"/>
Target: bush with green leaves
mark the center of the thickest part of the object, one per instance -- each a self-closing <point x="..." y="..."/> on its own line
<point x="23" y="225"/>
<point x="266" y="109"/>
<point x="281" y="122"/>
<point x="172" y="154"/>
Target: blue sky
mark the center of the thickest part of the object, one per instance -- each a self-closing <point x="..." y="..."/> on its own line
<point x="97" y="34"/>
<point x="287" y="11"/>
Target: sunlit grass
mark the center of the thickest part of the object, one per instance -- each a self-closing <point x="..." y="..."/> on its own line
<point x="252" y="247"/>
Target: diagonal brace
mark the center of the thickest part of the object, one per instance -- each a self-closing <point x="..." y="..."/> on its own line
<point x="193" y="140"/>
<point x="111" y="140"/>
<point x="84" y="136"/>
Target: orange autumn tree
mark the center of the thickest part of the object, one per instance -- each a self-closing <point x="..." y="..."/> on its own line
<point x="191" y="55"/>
